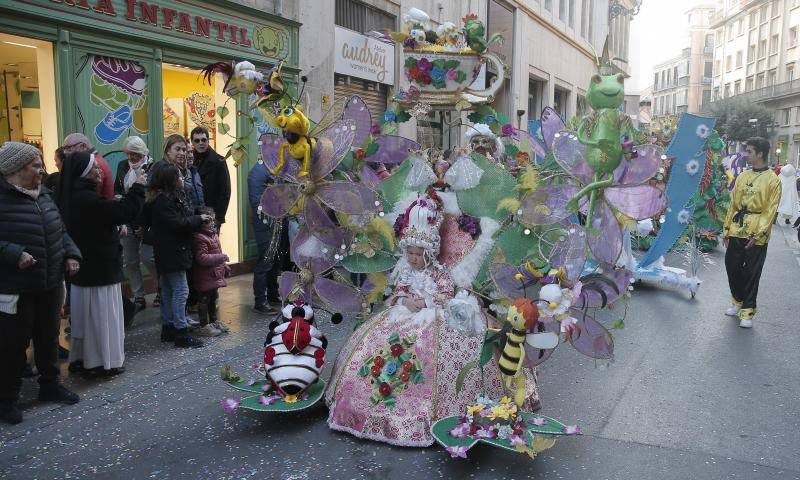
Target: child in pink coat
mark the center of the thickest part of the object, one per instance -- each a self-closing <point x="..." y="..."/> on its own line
<point x="210" y="270"/>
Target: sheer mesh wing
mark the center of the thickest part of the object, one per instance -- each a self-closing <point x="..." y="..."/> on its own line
<point x="392" y="149"/>
<point x="332" y="147"/>
<point x="591" y="338"/>
<point x="338" y="296"/>
<point x="604" y="235"/>
<point x="640" y="169"/>
<point x="357" y="111"/>
<point x="290" y="287"/>
<point x="637" y="202"/>
<point x="279" y="198"/>
<point x="612" y="285"/>
<point x="551" y="124"/>
<point x="270" y="147"/>
<point x="571" y="155"/>
<point x="547" y="205"/>
<point x="310" y="252"/>
<point x="570" y="250"/>
<point x="504" y="277"/>
<point x="347" y="197"/>
<point x="320" y="225"/>
<point x="369" y="177"/>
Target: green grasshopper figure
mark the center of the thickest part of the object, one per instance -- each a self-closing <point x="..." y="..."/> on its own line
<point x="601" y="131"/>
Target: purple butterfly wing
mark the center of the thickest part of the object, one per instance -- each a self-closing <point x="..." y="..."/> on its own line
<point x="347" y="197"/>
<point x="547" y="205"/>
<point x="308" y="251"/>
<point x="320" y="225"/>
<point x="604" y="235"/>
<point x="369" y="177"/>
<point x="613" y="285"/>
<point x="290" y="284"/>
<point x="641" y="168"/>
<point x="358" y="112"/>
<point x="570" y="250"/>
<point x="591" y="339"/>
<point x="279" y="198"/>
<point x="392" y="149"/>
<point x="504" y="277"/>
<point x="637" y="202"/>
<point x="551" y="124"/>
<point x="332" y="147"/>
<point x="570" y="154"/>
<point x="270" y="148"/>
<point x="338" y="296"/>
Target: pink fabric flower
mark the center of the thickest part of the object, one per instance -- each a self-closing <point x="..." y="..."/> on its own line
<point x="457" y="451"/>
<point x="507" y="130"/>
<point x="375" y="130"/>
<point x="572" y="430"/>
<point x="451" y="74"/>
<point x="424" y="65"/>
<point x="516" y="440"/>
<point x="267" y="400"/>
<point x="230" y="404"/>
<point x="538" y="421"/>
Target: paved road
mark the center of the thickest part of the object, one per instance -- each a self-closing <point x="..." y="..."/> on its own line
<point x="690" y="396"/>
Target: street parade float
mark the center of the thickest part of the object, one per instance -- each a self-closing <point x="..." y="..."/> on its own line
<point x="484" y="258"/>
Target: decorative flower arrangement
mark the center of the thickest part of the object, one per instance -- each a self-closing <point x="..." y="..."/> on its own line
<point x="399" y="224"/>
<point x="703" y="131"/>
<point x="392" y="370"/>
<point x="470" y="225"/>
<point x="436" y="73"/>
<point x="684" y="216"/>
<point x="692" y="167"/>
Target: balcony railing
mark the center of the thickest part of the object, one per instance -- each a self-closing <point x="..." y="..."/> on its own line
<point x="764" y="94"/>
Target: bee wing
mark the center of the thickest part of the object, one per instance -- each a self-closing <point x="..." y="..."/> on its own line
<point x="542" y="341"/>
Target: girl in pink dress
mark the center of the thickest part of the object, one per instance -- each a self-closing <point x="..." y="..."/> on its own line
<point x="396" y="375"/>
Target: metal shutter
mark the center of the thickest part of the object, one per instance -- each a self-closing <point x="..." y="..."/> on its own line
<point x="375" y="95"/>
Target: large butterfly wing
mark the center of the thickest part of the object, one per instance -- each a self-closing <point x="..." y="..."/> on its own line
<point x="358" y="112"/>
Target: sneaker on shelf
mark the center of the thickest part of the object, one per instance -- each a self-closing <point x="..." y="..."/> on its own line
<point x="733" y="311"/>
<point x="140" y="303"/>
<point x="208" y="330"/>
<point x="57" y="393"/>
<point x="10" y="413"/>
<point x="221" y="327"/>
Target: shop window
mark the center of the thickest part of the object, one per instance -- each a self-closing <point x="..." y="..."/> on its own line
<point x="536" y="102"/>
<point x="501" y="20"/>
<point x="27" y="95"/>
<point x="793" y="37"/>
<point x="582" y="108"/>
<point x="560" y="99"/>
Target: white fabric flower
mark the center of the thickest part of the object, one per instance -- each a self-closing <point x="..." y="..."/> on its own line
<point x="464" y="314"/>
<point x="692" y="167"/>
<point x="703" y="131"/>
<point x="684" y="216"/>
<point x="555" y="300"/>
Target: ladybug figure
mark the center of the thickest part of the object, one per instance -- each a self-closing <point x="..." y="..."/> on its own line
<point x="294" y="350"/>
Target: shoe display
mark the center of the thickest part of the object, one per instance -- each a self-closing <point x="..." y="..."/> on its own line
<point x="10" y="413"/>
<point x="733" y="311"/>
<point x="57" y="393"/>
<point x="184" y="340"/>
<point x="208" y="330"/>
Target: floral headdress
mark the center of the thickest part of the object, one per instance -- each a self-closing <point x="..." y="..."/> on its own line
<point x="421" y="223"/>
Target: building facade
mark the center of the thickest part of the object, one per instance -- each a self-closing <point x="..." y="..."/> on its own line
<point x="683" y="83"/>
<point x="756" y="57"/>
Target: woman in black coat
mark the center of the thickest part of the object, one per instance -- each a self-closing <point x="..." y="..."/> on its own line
<point x="172" y="227"/>
<point x="98" y="333"/>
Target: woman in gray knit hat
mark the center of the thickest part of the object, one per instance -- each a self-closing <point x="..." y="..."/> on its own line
<point x="35" y="251"/>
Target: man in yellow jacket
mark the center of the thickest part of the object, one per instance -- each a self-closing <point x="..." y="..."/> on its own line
<point x="747" y="229"/>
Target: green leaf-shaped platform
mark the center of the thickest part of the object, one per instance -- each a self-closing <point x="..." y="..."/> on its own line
<point x="314" y="394"/>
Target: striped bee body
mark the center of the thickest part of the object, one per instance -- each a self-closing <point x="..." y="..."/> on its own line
<point x="293" y="371"/>
<point x="509" y="362"/>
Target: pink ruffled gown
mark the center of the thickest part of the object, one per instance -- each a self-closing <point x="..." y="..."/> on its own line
<point x="358" y="398"/>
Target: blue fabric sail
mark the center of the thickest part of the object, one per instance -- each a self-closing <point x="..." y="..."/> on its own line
<point x="688" y="150"/>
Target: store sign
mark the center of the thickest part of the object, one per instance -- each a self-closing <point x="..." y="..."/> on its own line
<point x="363" y="57"/>
<point x="178" y="20"/>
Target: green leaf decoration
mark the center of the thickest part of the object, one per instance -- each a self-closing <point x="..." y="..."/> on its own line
<point x="461" y="76"/>
<point x="347" y="162"/>
<point x="619" y="324"/>
<point x="371" y="149"/>
<point x="502" y="119"/>
<point x="441" y="432"/>
<point x="439" y="63"/>
<point x="393" y="188"/>
<point x="389" y="401"/>
<point x="417" y="378"/>
<point x="475" y="117"/>
<point x="552" y="427"/>
<point x="486" y="350"/>
<point x="495" y="185"/>
<point x="405" y="356"/>
<point x="314" y="392"/>
<point x="394" y="338"/>
<point x="511" y="150"/>
<point x="462" y="375"/>
<point x="222" y="111"/>
<point x="364" y="371"/>
<point x="244" y="385"/>
<point x="448" y="64"/>
<point x="223" y="128"/>
<point x="402" y="116"/>
<point x="358" y="263"/>
<point x="410" y="62"/>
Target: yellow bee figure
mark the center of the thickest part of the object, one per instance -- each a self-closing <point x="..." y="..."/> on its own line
<point x="523" y="316"/>
<point x="295" y="126"/>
